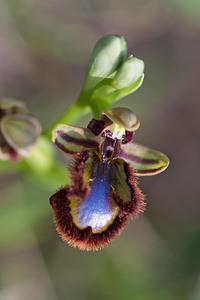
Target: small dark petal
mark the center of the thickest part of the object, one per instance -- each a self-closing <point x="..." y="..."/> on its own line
<point x="96" y="126"/>
<point x="128" y="137"/>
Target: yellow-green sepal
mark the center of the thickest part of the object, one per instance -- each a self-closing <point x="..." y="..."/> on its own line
<point x="144" y="160"/>
<point x="71" y="139"/>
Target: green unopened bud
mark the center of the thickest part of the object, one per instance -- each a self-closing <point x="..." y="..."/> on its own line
<point x="109" y="52"/>
<point x="130" y="71"/>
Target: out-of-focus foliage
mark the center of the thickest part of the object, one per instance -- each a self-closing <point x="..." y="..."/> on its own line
<point x="44" y="50"/>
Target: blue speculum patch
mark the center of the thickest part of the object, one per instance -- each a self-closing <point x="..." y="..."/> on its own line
<point x="98" y="210"/>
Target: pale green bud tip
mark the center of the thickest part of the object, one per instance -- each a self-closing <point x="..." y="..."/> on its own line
<point x="129" y="72"/>
<point x="108" y="54"/>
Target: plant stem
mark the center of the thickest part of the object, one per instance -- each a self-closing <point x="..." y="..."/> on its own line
<point x="75" y="112"/>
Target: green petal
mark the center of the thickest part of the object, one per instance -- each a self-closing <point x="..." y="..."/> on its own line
<point x="144" y="160"/>
<point x="71" y="140"/>
<point x="20" y="132"/>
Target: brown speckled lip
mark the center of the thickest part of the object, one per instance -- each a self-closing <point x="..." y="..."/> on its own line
<point x="85" y="239"/>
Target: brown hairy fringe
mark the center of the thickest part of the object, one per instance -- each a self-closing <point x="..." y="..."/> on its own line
<point x="85" y="239"/>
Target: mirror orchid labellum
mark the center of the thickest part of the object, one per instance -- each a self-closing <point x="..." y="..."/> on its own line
<point x="104" y="191"/>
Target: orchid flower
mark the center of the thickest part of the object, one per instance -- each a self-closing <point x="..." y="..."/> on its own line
<point x="103" y="193"/>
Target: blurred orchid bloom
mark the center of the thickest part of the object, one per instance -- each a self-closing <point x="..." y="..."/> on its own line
<point x="104" y="190"/>
<point x="18" y="130"/>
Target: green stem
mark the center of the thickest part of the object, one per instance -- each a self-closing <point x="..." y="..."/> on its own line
<point x="74" y="112"/>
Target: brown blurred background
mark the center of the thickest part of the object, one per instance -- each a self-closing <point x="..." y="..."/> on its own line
<point x="44" y="50"/>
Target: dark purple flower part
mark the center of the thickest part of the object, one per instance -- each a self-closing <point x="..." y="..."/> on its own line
<point x="104" y="191"/>
<point x="96" y="126"/>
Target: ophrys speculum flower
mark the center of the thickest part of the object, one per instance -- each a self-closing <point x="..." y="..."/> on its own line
<point x="104" y="190"/>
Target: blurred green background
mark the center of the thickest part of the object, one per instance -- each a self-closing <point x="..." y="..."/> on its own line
<point x="44" y="49"/>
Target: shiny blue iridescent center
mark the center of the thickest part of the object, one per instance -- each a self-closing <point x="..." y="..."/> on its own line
<point x="97" y="210"/>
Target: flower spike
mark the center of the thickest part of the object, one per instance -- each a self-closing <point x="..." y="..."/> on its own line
<point x="104" y="191"/>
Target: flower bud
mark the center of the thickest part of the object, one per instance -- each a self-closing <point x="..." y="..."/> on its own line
<point x="18" y="130"/>
<point x="109" y="52"/>
<point x="130" y="71"/>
